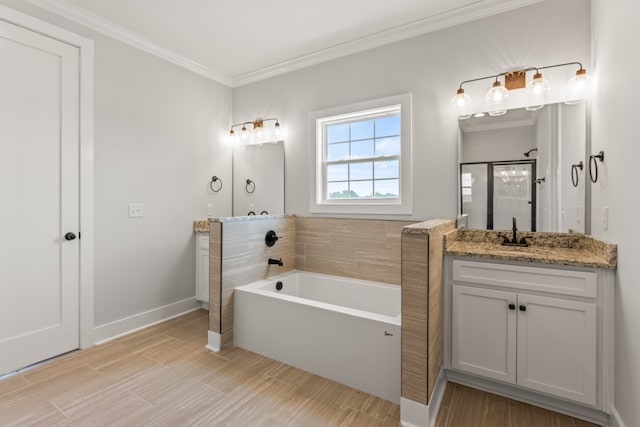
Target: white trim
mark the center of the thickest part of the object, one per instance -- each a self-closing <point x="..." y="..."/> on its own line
<point x="214" y="341"/>
<point x="413" y="414"/>
<point x="118" y="328"/>
<point x="477" y="10"/>
<point x="403" y="206"/>
<point x="86" y="49"/>
<point x="111" y="29"/>
<point x="615" y="419"/>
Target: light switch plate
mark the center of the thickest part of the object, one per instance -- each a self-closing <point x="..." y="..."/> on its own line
<point x="136" y="210"/>
<point x="210" y="210"/>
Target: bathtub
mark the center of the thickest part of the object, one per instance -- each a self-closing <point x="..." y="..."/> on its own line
<point x="343" y="329"/>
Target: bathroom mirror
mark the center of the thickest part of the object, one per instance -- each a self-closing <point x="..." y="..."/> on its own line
<point x="258" y="179"/>
<point x="525" y="164"/>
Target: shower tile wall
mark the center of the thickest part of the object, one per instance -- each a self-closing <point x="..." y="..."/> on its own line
<point x="357" y="248"/>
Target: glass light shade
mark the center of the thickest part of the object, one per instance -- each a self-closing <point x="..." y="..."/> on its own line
<point x="277" y="131"/>
<point x="258" y="132"/>
<point x="497" y="100"/>
<point x="231" y="137"/>
<point x="245" y="134"/>
<point x="537" y="92"/>
<point x="578" y="87"/>
<point x="461" y="102"/>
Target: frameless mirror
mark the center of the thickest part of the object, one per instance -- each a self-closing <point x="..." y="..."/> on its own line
<point x="526" y="164"/>
<point x="258" y="179"/>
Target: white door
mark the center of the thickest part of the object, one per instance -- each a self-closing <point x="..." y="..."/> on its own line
<point x="557" y="347"/>
<point x="39" y="190"/>
<point x="484" y="332"/>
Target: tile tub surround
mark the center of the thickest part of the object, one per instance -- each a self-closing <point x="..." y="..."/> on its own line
<point x="422" y="311"/>
<point x="546" y="248"/>
<point x="237" y="246"/>
<point x="357" y="248"/>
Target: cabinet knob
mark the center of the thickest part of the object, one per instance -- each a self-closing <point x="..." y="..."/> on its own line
<point x="523" y="308"/>
<point x="512" y="306"/>
<point x="70" y="236"/>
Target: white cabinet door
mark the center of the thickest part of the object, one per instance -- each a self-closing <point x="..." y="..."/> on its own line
<point x="484" y="332"/>
<point x="557" y="347"/>
<point x="202" y="267"/>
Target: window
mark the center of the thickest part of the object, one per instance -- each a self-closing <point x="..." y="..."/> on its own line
<point x="363" y="158"/>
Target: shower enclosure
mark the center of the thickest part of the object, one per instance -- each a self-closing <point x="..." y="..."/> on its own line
<point x="494" y="192"/>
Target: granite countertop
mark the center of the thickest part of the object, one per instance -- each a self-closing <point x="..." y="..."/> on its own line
<point x="546" y="248"/>
<point x="202" y="225"/>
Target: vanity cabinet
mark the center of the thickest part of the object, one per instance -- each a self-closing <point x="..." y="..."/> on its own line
<point x="202" y="267"/>
<point x="537" y="328"/>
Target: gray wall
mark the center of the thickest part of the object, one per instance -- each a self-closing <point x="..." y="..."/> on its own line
<point x="614" y="122"/>
<point x="158" y="140"/>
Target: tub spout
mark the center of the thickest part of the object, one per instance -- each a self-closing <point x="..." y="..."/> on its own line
<point x="276" y="262"/>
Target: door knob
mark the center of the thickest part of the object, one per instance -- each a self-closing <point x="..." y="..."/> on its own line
<point x="70" y="236"/>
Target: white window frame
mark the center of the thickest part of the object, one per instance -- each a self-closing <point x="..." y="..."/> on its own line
<point x="318" y="202"/>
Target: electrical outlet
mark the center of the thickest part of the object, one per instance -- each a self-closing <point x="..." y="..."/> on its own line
<point x="210" y="209"/>
<point x="605" y="218"/>
<point x="136" y="210"/>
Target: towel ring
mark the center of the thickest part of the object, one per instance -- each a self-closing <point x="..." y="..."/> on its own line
<point x="594" y="158"/>
<point x="215" y="179"/>
<point x="575" y="174"/>
<point x="250" y="187"/>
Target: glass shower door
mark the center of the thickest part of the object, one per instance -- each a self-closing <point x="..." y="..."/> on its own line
<point x="513" y="196"/>
<point x="473" y="186"/>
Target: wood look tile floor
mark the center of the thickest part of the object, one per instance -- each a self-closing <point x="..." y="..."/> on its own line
<point x="163" y="376"/>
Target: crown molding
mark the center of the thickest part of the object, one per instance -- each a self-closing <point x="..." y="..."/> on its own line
<point x="477" y="10"/>
<point x="496" y="125"/>
<point x="94" y="22"/>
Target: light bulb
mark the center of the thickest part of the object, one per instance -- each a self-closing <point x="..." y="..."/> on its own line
<point x="245" y="134"/>
<point x="537" y="92"/>
<point x="276" y="130"/>
<point x="231" y="137"/>
<point x="578" y="87"/>
<point x="497" y="99"/>
<point x="461" y="102"/>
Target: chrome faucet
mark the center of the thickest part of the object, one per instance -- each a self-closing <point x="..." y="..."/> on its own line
<point x="273" y="261"/>
<point x="514" y="239"/>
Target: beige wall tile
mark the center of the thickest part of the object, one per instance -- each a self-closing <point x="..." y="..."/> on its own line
<point x="215" y="275"/>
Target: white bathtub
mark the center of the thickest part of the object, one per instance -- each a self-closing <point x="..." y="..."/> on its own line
<point x="343" y="329"/>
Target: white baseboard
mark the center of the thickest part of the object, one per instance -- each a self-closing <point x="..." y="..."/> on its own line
<point x="616" y="420"/>
<point x="214" y="342"/>
<point x="414" y="414"/>
<point x="118" y="328"/>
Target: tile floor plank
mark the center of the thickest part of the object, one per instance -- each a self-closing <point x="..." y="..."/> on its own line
<point x="163" y="376"/>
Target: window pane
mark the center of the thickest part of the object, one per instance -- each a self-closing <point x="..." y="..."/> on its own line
<point x="338" y="190"/>
<point x="387" y="169"/>
<point x="387" y="189"/>
<point x="362" y="149"/>
<point x="337" y="172"/>
<point x="388" y="146"/>
<point x="337" y="133"/>
<point x="338" y="151"/>
<point x="388" y="126"/>
<point x="362" y="130"/>
<point x="362" y="189"/>
<point x="361" y="171"/>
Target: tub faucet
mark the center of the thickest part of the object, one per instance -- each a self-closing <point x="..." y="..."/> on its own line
<point x="276" y="262"/>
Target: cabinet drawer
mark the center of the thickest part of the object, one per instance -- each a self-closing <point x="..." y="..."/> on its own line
<point x="565" y="282"/>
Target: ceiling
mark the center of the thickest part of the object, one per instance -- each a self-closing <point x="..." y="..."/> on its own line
<point x="239" y="41"/>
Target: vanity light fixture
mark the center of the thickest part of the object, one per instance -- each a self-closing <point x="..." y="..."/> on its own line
<point x="577" y="90"/>
<point x="258" y="133"/>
